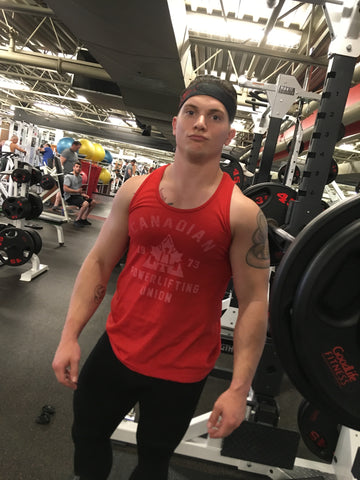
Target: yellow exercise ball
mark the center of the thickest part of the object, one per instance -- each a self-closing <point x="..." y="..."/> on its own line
<point x="87" y="148"/>
<point x="99" y="153"/>
<point x="105" y="176"/>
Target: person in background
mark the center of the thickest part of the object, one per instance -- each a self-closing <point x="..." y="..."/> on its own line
<point x="118" y="177"/>
<point x="188" y="230"/>
<point x="73" y="196"/>
<point x="47" y="154"/>
<point x="11" y="146"/>
<point x="130" y="170"/>
<point x="68" y="157"/>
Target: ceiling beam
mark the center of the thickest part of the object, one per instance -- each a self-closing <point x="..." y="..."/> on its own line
<point x="253" y="50"/>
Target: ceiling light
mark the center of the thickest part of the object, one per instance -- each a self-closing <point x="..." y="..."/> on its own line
<point x="13" y="84"/>
<point x="132" y="123"/>
<point x="82" y="99"/>
<point x="239" y="30"/>
<point x="117" y="121"/>
<point x="53" y="108"/>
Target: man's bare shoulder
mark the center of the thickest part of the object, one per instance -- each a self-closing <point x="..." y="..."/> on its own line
<point x="242" y="203"/>
<point x="130" y="187"/>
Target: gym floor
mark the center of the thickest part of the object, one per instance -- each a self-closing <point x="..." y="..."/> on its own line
<point x="31" y="320"/>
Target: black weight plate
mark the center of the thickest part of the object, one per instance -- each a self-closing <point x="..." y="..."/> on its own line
<point x="301" y="149"/>
<point x="16" y="208"/>
<point x="277" y="247"/>
<point x="296" y="175"/>
<point x="37" y="241"/>
<point x="334" y="170"/>
<point x="272" y="198"/>
<point x="36" y="176"/>
<point x="324" y="205"/>
<point x="326" y="320"/>
<point x="318" y="430"/>
<point x="230" y="165"/>
<point x="37" y="206"/>
<point x="47" y="182"/>
<point x="21" y="175"/>
<point x="3" y="225"/>
<point x="16" y="246"/>
<point x="288" y="274"/>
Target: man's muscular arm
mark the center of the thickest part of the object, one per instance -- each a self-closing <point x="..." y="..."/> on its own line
<point x="91" y="282"/>
<point x="249" y="256"/>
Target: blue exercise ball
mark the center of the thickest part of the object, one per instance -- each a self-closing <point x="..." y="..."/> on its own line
<point x="63" y="143"/>
<point x="108" y="157"/>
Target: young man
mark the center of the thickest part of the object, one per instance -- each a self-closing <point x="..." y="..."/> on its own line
<point x="73" y="196"/>
<point x="189" y="229"/>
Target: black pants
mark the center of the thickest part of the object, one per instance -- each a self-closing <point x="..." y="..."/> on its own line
<point x="106" y="392"/>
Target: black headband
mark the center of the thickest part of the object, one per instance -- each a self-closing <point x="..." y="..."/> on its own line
<point x="213" y="90"/>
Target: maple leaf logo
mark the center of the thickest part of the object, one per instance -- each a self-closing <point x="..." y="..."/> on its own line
<point x="165" y="258"/>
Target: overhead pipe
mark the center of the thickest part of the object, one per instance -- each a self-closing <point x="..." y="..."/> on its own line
<point x="26" y="9"/>
<point x="60" y="65"/>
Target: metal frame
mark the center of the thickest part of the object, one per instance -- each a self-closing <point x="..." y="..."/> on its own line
<point x="194" y="444"/>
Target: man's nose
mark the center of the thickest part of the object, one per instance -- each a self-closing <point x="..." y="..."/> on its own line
<point x="200" y="121"/>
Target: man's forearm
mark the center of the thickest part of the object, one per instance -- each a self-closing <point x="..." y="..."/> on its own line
<point x="249" y="340"/>
<point x="89" y="291"/>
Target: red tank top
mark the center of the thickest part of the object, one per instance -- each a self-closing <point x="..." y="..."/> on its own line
<point x="165" y="313"/>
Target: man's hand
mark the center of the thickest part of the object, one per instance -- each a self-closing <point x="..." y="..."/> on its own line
<point x="228" y="412"/>
<point x="66" y="363"/>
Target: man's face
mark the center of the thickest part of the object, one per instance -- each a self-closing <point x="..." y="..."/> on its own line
<point x="75" y="148"/>
<point x="202" y="126"/>
<point x="77" y="169"/>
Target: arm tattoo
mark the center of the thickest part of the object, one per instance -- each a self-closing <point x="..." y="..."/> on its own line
<point x="258" y="255"/>
<point x="99" y="293"/>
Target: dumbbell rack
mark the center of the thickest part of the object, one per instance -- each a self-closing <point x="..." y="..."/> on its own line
<point x="15" y="189"/>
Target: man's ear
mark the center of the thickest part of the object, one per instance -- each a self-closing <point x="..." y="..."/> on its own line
<point x="230" y="136"/>
<point x="174" y="120"/>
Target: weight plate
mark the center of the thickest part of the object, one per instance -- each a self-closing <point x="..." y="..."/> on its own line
<point x="334" y="170"/>
<point x="285" y="281"/>
<point x="277" y="246"/>
<point x="272" y="198"/>
<point x="37" y="241"/>
<point x="36" y="176"/>
<point x="230" y="165"/>
<point x="326" y="319"/>
<point x="16" y="246"/>
<point x="16" y="208"/>
<point x="37" y="206"/>
<point x="47" y="182"/>
<point x="3" y="225"/>
<point x="301" y="149"/>
<point x="21" y="175"/>
<point x="318" y="430"/>
<point x="296" y="175"/>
